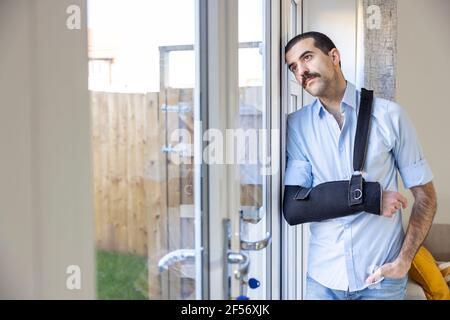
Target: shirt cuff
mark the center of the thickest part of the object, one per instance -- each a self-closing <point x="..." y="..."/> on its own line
<point x="416" y="174"/>
<point x="298" y="173"/>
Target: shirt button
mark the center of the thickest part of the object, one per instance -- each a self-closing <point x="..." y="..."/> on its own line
<point x="341" y="149"/>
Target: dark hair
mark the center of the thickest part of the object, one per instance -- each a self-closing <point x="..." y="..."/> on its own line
<point x="321" y="41"/>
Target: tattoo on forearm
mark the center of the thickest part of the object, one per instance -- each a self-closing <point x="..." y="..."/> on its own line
<point x="422" y="214"/>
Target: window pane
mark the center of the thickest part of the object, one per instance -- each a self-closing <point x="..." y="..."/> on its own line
<point x="253" y="120"/>
<point x="142" y="79"/>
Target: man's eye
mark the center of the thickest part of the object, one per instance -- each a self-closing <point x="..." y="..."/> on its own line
<point x="308" y="57"/>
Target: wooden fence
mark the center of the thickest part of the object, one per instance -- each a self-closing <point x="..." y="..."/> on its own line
<point x="132" y="176"/>
<point x="143" y="201"/>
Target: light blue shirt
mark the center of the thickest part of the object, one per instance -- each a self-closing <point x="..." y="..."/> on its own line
<point x="344" y="251"/>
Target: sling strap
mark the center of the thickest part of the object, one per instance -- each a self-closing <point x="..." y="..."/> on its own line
<point x="360" y="148"/>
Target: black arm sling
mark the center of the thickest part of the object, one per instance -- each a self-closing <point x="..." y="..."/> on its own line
<point x="338" y="198"/>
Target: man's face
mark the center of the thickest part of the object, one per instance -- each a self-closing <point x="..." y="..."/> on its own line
<point x="312" y="68"/>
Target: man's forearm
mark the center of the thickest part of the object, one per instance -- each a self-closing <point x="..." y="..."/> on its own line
<point x="422" y="214"/>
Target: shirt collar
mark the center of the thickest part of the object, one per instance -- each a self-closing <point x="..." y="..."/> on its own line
<point x="349" y="99"/>
<point x="350" y="95"/>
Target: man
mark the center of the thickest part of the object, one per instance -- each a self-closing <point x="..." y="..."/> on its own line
<point x="360" y="256"/>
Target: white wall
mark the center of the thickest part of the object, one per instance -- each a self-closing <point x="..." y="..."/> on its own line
<point x="336" y="19"/>
<point x="16" y="227"/>
<point x="423" y="72"/>
<point x="46" y="212"/>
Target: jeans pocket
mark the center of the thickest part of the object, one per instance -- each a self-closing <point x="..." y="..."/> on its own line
<point x="401" y="282"/>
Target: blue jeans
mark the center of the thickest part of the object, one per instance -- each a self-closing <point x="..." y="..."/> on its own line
<point x="387" y="289"/>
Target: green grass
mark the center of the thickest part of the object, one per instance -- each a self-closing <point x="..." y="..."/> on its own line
<point x="121" y="276"/>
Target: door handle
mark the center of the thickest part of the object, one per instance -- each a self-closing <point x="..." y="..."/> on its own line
<point x="256" y="245"/>
<point x="175" y="256"/>
<point x="237" y="258"/>
<point x="240" y="258"/>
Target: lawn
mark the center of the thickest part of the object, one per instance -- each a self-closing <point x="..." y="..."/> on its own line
<point x="121" y="276"/>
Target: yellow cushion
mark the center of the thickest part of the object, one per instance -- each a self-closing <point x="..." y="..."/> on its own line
<point x="425" y="272"/>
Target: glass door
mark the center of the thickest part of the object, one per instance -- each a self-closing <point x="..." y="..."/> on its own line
<point x="182" y="131"/>
<point x="240" y="186"/>
<point x="254" y="163"/>
<point x="144" y="84"/>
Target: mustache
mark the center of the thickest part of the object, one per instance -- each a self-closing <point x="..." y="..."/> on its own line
<point x="307" y="76"/>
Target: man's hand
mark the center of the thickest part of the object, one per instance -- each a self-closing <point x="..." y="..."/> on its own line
<point x="395" y="270"/>
<point x="392" y="201"/>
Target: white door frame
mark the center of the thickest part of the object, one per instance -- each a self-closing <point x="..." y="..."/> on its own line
<point x="293" y="244"/>
<point x="223" y="190"/>
<point x="274" y="271"/>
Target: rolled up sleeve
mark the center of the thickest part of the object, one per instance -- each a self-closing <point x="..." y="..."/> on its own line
<point x="416" y="174"/>
<point x="298" y="168"/>
<point x="411" y="163"/>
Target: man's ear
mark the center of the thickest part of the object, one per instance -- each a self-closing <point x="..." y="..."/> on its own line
<point x="335" y="56"/>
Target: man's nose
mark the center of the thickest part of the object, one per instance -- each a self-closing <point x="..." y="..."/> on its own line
<point x="301" y="71"/>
